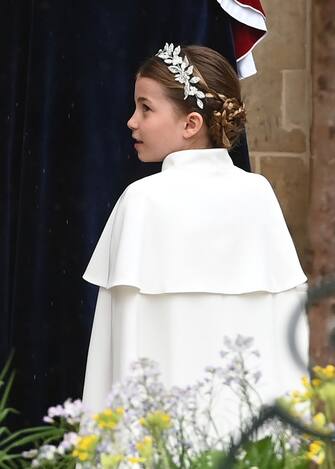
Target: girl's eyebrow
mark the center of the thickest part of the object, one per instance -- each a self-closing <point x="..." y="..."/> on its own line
<point x="143" y="98"/>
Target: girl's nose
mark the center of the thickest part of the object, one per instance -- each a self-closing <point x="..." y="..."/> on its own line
<point x="132" y="122"/>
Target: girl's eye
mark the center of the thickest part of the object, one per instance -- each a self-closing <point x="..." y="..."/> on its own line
<point x="146" y="108"/>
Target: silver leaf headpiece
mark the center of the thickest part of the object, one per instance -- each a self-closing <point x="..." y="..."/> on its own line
<point x="183" y="71"/>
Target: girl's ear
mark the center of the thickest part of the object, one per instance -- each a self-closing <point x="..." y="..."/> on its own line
<point x="192" y="124"/>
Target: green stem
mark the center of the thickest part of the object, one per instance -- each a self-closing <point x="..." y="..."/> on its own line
<point x="244" y="385"/>
<point x="162" y="452"/>
<point x="183" y="452"/>
<point x="329" y="456"/>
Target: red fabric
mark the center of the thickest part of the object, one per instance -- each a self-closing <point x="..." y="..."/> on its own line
<point x="256" y="4"/>
<point x="245" y="37"/>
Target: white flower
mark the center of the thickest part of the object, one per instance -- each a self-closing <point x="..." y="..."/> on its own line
<point x="47" y="419"/>
<point x="69" y="441"/>
<point x="47" y="452"/>
<point x="30" y="454"/>
<point x="70" y="410"/>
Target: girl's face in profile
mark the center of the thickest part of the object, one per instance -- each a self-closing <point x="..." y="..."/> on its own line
<point x="156" y="126"/>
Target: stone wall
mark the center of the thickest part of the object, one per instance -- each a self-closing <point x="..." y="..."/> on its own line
<point x="278" y="101"/>
<point x="291" y="135"/>
<point x="322" y="206"/>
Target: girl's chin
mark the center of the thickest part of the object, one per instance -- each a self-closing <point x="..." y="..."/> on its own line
<point x="141" y="156"/>
<point x="147" y="158"/>
<point x="137" y="146"/>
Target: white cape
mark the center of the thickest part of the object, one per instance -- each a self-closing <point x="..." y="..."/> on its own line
<point x="200" y="225"/>
<point x="188" y="255"/>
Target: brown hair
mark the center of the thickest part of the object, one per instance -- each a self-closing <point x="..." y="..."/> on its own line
<point x="223" y="111"/>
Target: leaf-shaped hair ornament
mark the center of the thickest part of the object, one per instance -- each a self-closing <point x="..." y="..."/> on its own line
<point x="183" y="71"/>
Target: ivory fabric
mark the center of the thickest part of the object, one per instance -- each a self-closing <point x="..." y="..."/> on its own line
<point x="188" y="255"/>
<point x="184" y="333"/>
<point x="200" y="225"/>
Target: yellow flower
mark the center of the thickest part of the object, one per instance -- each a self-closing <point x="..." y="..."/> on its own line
<point x="144" y="447"/>
<point x="328" y="372"/>
<point x="156" y="421"/>
<point x="135" y="460"/>
<point x="316" y="382"/>
<point x="319" y="420"/>
<point x="108" y="419"/>
<point x="305" y="381"/>
<point x="85" y="447"/>
<point x="109" y="461"/>
<point x="298" y="396"/>
<point x="316" y="452"/>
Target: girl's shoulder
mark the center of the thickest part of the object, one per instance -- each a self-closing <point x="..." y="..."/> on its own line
<point x="255" y="181"/>
<point x="145" y="185"/>
<point x="139" y="191"/>
<point x="234" y="184"/>
<point x="256" y="178"/>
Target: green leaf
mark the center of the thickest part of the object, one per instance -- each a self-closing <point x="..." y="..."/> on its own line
<point x="261" y="454"/>
<point x="6" y="392"/>
<point x="7" y="459"/>
<point x="5" y="412"/>
<point x="296" y="461"/>
<point x="208" y="460"/>
<point x="14" y="441"/>
<point x="6" y="368"/>
<point x="4" y="431"/>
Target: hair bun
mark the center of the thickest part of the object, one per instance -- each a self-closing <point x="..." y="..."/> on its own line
<point x="228" y="122"/>
<point x="232" y="119"/>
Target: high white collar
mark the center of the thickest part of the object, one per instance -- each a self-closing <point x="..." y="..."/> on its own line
<point x="200" y="158"/>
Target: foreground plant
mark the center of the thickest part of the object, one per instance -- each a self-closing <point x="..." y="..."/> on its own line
<point x="314" y="407"/>
<point x="148" y="425"/>
<point x="11" y="443"/>
<point x="145" y="425"/>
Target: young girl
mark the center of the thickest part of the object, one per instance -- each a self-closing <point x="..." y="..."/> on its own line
<point x="198" y="251"/>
